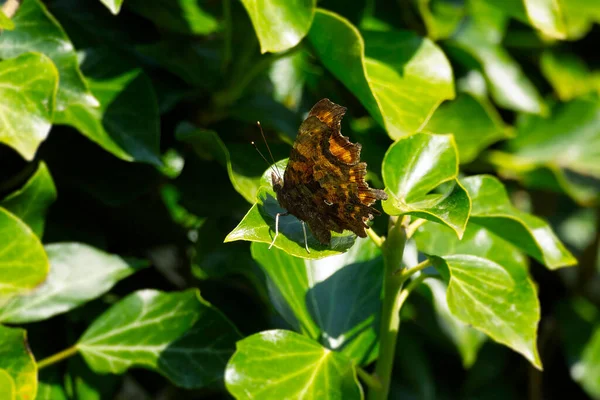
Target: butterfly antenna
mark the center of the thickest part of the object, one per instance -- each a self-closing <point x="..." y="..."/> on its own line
<point x="268" y="148"/>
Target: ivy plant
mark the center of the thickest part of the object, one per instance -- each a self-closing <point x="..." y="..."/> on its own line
<point x="137" y="221"/>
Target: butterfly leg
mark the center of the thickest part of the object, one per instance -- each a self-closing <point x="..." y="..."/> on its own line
<point x="305" y="240"/>
<point x="277" y="227"/>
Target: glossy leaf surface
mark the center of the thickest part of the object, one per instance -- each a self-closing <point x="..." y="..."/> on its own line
<point x="31" y="202"/>
<point x="335" y="301"/>
<point x="278" y="363"/>
<point x="28" y="87"/>
<point x="399" y="77"/>
<point x="416" y="165"/>
<point x="532" y="235"/>
<point x="78" y="274"/>
<point x="23" y="261"/>
<point x="17" y="365"/>
<point x="164" y="332"/>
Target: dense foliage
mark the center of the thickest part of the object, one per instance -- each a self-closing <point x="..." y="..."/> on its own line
<point x="136" y="217"/>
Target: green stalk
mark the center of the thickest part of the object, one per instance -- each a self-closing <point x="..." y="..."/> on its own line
<point x="61" y="355"/>
<point x="393" y="250"/>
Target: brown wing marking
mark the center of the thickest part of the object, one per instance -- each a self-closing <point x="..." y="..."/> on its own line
<point x="329" y="113"/>
<point x="340" y="147"/>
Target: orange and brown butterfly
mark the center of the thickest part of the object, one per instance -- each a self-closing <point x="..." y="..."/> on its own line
<point x="324" y="181"/>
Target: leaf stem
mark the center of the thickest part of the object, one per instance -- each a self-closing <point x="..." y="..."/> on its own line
<point x="367" y="378"/>
<point x="411" y="286"/>
<point x="408" y="272"/>
<point x="412" y="228"/>
<point x="378" y="240"/>
<point x="393" y="250"/>
<point x="61" y="355"/>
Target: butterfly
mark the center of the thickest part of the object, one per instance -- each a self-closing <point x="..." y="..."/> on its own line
<point x="324" y="182"/>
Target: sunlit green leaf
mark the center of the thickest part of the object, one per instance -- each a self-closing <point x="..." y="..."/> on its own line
<point x="570" y="139"/>
<point x="113" y="5"/>
<point x="478" y="241"/>
<point x="496" y="299"/>
<point x="28" y="85"/>
<point x="473" y="125"/>
<point x="37" y="30"/>
<point x="544" y="15"/>
<point x="23" y="261"/>
<point x="50" y="386"/>
<point x="335" y="301"/>
<point x="579" y="16"/>
<point x="182" y="16"/>
<point x="399" y="77"/>
<point x="468" y="341"/>
<point x="78" y="273"/>
<point x="7" y="386"/>
<point x="127" y="122"/>
<point x="280" y="24"/>
<point x="480" y="38"/>
<point x="31" y="202"/>
<point x="568" y="74"/>
<point x="5" y="22"/>
<point x="558" y="153"/>
<point x="441" y="17"/>
<point x="164" y="332"/>
<point x="258" y="225"/>
<point x="493" y="210"/>
<point x="282" y="364"/>
<point x="416" y="165"/>
<point x="17" y="364"/>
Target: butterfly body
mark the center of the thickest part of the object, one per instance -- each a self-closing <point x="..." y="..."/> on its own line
<point x="324" y="181"/>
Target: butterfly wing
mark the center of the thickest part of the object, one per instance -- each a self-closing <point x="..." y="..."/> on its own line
<point x="324" y="182"/>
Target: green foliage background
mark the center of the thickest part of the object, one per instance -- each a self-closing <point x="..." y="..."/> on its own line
<point x="129" y="193"/>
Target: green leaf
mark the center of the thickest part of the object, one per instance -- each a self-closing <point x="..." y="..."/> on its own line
<point x="334" y="301"/>
<point x="282" y="364"/>
<point x="18" y="363"/>
<point x="280" y="24"/>
<point x="474" y="125"/>
<point x="416" y="165"/>
<point x="78" y="274"/>
<point x="5" y="22"/>
<point x="565" y="148"/>
<point x="399" y="77"/>
<point x="28" y="85"/>
<point x="468" y="341"/>
<point x="7" y="386"/>
<point x="441" y="17"/>
<point x="208" y="144"/>
<point x="31" y="202"/>
<point x="493" y="210"/>
<point x="181" y="16"/>
<point x="547" y="16"/>
<point x="49" y="386"/>
<point x="163" y="332"/>
<point x="579" y="16"/>
<point x="127" y="122"/>
<point x="258" y="225"/>
<point x="113" y="5"/>
<point x="478" y="241"/>
<point x="480" y="38"/>
<point x="23" y="261"/>
<point x="37" y="30"/>
<point x="568" y="74"/>
<point x="496" y="299"/>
